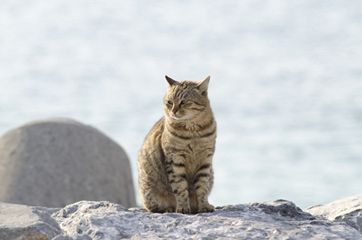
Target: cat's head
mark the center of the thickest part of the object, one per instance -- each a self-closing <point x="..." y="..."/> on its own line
<point x="185" y="100"/>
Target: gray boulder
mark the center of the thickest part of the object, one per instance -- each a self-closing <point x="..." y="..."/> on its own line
<point x="348" y="210"/>
<point x="274" y="220"/>
<point x="87" y="220"/>
<point x="57" y="162"/>
<point x="23" y="222"/>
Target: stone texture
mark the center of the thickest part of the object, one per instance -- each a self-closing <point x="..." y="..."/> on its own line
<point x="348" y="210"/>
<point x="256" y="221"/>
<point x="87" y="220"/>
<point x="57" y="162"/>
<point x="24" y="222"/>
<point x="275" y="220"/>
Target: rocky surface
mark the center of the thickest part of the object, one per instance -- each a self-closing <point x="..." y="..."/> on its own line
<point x="104" y="220"/>
<point x="60" y="161"/>
<point x="348" y="210"/>
<point x="24" y="222"/>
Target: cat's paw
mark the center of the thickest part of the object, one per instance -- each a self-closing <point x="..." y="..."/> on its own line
<point x="183" y="209"/>
<point x="207" y="207"/>
<point x="170" y="209"/>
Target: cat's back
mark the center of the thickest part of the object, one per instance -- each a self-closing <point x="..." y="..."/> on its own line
<point x="151" y="158"/>
<point x="152" y="142"/>
<point x="155" y="132"/>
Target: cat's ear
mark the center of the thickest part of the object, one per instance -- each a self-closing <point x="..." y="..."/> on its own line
<point x="170" y="81"/>
<point x="203" y="85"/>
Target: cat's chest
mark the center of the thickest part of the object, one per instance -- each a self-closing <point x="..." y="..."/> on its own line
<point x="192" y="152"/>
<point x="196" y="147"/>
<point x="199" y="153"/>
<point x="195" y="151"/>
<point x="190" y="145"/>
<point x="193" y="145"/>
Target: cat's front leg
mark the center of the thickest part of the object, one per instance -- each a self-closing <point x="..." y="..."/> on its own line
<point x="203" y="182"/>
<point x="176" y="173"/>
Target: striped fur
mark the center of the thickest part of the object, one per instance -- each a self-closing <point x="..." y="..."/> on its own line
<point x="175" y="161"/>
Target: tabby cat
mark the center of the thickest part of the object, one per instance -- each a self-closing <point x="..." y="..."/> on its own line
<point x="175" y="161"/>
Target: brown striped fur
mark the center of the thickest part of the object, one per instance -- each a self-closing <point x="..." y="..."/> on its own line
<point x="175" y="161"/>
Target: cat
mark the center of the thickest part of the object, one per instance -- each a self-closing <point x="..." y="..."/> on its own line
<point x="175" y="161"/>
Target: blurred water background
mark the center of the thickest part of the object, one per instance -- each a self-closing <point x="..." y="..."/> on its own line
<point x="286" y="82"/>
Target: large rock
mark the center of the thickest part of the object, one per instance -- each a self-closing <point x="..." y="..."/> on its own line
<point x="87" y="220"/>
<point x="24" y="222"/>
<point x="56" y="162"/>
<point x="348" y="210"/>
<point x="274" y="220"/>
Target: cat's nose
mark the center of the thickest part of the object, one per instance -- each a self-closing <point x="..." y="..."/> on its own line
<point x="174" y="109"/>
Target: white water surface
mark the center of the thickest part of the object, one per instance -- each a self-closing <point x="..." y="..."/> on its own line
<point x="286" y="82"/>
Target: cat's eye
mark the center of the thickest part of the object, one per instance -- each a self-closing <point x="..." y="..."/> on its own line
<point x="186" y="103"/>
